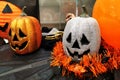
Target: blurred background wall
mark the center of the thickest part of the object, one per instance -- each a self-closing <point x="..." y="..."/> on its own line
<point x="52" y="12"/>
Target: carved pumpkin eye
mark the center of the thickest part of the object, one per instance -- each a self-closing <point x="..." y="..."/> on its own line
<point x="7" y="9"/>
<point x="84" y="40"/>
<point x="21" y="33"/>
<point x="69" y="38"/>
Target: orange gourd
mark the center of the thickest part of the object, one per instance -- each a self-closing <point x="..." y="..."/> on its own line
<point x="7" y="12"/>
<point x="107" y="13"/>
<point x="25" y="34"/>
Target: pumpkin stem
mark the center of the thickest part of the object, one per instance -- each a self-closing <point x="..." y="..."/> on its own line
<point x="85" y="13"/>
<point x="23" y="12"/>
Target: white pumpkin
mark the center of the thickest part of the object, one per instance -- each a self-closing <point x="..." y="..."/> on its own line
<point x="81" y="36"/>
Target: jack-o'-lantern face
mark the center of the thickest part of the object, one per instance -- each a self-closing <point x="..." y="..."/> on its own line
<point x="20" y="39"/>
<point x="8" y="11"/>
<point x="24" y="34"/>
<point x="81" y="36"/>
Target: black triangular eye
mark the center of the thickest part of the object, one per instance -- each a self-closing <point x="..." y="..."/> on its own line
<point x="76" y="45"/>
<point x="10" y="32"/>
<point x="21" y="33"/>
<point x="7" y="9"/>
<point x="69" y="38"/>
<point x="84" y="40"/>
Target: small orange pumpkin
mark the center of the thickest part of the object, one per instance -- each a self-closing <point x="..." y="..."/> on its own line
<point x="107" y="13"/>
<point x="7" y="12"/>
<point x="25" y="34"/>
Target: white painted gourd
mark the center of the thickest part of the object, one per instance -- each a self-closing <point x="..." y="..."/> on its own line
<point x="81" y="36"/>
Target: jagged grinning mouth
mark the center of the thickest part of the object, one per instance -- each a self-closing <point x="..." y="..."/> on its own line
<point x="77" y="54"/>
<point x="20" y="47"/>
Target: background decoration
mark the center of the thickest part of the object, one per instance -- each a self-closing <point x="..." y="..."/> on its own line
<point x="107" y="14"/>
<point x="8" y="11"/>
<point x="25" y="34"/>
<point x="32" y="6"/>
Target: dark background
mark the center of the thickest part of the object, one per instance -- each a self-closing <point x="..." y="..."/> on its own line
<point x="32" y="6"/>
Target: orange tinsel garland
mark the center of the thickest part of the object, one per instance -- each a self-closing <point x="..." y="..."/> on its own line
<point x="89" y="63"/>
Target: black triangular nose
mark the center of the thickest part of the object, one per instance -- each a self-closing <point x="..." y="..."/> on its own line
<point x="76" y="45"/>
<point x="15" y="38"/>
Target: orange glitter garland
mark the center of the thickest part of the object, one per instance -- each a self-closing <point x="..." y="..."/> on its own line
<point x="89" y="63"/>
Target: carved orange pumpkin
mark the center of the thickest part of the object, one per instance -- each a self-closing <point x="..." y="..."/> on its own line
<point x="7" y="12"/>
<point x="107" y="13"/>
<point x="24" y="34"/>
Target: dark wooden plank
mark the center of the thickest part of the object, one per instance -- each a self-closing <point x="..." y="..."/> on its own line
<point x="8" y="56"/>
<point x="11" y="63"/>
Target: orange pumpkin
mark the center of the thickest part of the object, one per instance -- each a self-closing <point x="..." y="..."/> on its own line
<point x="107" y="13"/>
<point x="7" y="12"/>
<point x="25" y="34"/>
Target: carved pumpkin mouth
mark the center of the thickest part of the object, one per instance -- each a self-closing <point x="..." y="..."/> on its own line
<point x="4" y="28"/>
<point x="23" y="45"/>
<point x="77" y="53"/>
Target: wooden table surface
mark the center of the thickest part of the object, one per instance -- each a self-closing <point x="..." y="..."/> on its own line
<point x="24" y="67"/>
